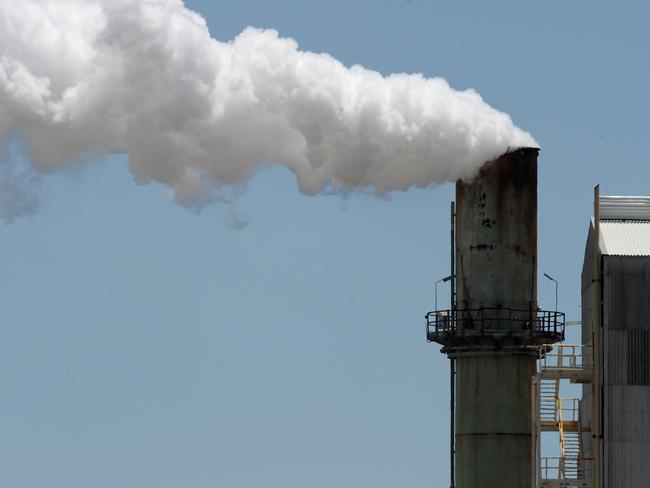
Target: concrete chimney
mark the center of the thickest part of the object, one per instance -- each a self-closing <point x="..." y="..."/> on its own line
<point x="495" y="329"/>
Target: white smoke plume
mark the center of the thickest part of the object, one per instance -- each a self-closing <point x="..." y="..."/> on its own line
<point x="18" y="185"/>
<point x="79" y="78"/>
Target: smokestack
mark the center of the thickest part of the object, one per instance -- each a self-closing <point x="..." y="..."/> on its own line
<point x="496" y="327"/>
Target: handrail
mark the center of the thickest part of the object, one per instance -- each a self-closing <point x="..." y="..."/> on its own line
<point x="553" y="468"/>
<point x="563" y="356"/>
<point x="559" y="361"/>
<point x="558" y="406"/>
<point x="573" y="409"/>
<point x="442" y="324"/>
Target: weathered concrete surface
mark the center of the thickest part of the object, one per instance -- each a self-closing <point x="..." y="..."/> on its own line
<point x="496" y="234"/>
<point x="493" y="420"/>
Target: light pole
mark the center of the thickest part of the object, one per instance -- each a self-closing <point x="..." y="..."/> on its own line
<point x="554" y="281"/>
<point x="441" y="280"/>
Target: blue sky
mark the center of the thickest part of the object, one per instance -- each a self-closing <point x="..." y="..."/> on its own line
<point x="146" y="345"/>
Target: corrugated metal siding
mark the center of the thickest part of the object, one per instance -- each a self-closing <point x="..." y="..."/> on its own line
<point x="631" y="426"/>
<point x="628" y="465"/>
<point x="626" y="292"/>
<point x="615" y="349"/>
<point x="625" y="237"/>
<point x="638" y="353"/>
<point x="627" y="446"/>
<point x="626" y="352"/>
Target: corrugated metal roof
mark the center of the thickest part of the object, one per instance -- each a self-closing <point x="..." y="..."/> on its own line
<point x="624" y="207"/>
<point x="625" y="237"/>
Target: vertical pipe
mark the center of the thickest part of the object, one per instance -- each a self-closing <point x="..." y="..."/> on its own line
<point x="452" y="361"/>
<point x="535" y="461"/>
<point x="453" y="256"/>
<point x="596" y="387"/>
<point x="452" y="430"/>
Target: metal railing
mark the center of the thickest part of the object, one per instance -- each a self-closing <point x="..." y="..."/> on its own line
<point x="564" y="356"/>
<point x="556" y="409"/>
<point x="442" y="324"/>
<point x="566" y="468"/>
<point x="569" y="408"/>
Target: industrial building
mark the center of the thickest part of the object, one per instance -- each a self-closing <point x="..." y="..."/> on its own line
<point x="508" y="361"/>
<point x="616" y="275"/>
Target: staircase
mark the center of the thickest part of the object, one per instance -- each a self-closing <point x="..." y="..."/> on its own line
<point x="572" y="455"/>
<point x="570" y="445"/>
<point x="549" y="391"/>
<point x="561" y="415"/>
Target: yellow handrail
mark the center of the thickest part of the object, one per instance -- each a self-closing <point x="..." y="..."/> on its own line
<point x="558" y="405"/>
